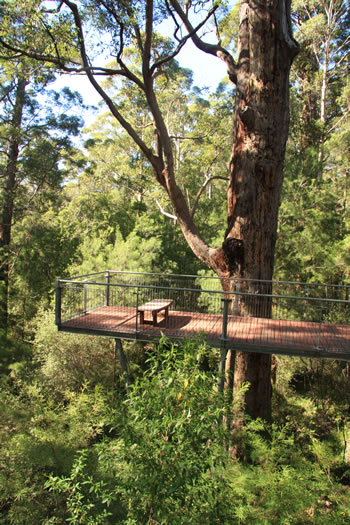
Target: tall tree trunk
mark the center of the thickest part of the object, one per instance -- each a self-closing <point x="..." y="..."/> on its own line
<point x="8" y="198"/>
<point x="261" y="122"/>
<point x="266" y="50"/>
<point x="323" y="107"/>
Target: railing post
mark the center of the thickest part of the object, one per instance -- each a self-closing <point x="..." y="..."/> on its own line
<point x="236" y="300"/>
<point x="85" y="297"/>
<point x="58" y="303"/>
<point x="137" y="313"/>
<point x="223" y="338"/>
<point x="226" y="302"/>
<point x="319" y="337"/>
<point x="108" y="279"/>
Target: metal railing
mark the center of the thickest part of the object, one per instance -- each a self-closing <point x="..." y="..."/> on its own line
<point x="107" y="303"/>
<point x="272" y="299"/>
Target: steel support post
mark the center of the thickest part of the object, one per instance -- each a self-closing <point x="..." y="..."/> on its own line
<point x="223" y="338"/>
<point x="85" y="297"/>
<point x="123" y="362"/>
<point x="137" y="307"/>
<point x="108" y="280"/>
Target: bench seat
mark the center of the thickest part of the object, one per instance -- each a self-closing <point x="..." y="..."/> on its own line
<point x="154" y="307"/>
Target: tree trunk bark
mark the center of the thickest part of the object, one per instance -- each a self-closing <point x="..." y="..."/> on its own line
<point x="8" y="199"/>
<point x="266" y="50"/>
<point x="323" y="107"/>
<point x="261" y="122"/>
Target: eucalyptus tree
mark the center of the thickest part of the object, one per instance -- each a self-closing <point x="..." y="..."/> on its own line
<point x="34" y="139"/>
<point x="9" y="171"/>
<point x="72" y="36"/>
<point x="314" y="227"/>
<point x="321" y="69"/>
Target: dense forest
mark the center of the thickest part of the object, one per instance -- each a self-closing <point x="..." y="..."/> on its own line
<point x="76" y="446"/>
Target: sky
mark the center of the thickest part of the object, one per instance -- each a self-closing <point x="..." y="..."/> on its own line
<point x="208" y="72"/>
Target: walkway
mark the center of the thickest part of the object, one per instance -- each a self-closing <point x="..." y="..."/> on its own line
<point x="248" y="334"/>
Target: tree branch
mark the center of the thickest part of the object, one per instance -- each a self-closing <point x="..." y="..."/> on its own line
<point x="53" y="11"/>
<point x="7" y="93"/>
<point x="181" y="137"/>
<point x="60" y="62"/>
<point x="202" y="188"/>
<point x="36" y="56"/>
<point x="163" y="212"/>
<point x="182" y="42"/>
<point x="146" y="56"/>
<point x="195" y="241"/>
<point x="122" y="121"/>
<point x="212" y="49"/>
<point x="161" y="133"/>
<point x="126" y="71"/>
<point x="48" y="31"/>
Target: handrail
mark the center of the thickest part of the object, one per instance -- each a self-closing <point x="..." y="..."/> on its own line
<point x="201" y="290"/>
<point x="216" y="277"/>
<point x="230" y="278"/>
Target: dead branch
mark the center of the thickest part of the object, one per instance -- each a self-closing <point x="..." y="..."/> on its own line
<point x="163" y="212"/>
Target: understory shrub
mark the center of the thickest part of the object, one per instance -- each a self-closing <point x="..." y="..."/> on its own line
<point x="161" y="455"/>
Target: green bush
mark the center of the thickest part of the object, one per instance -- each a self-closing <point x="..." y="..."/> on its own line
<point x="39" y="438"/>
<point x="13" y="354"/>
<point x="170" y="460"/>
<point x="163" y="455"/>
<point x="66" y="361"/>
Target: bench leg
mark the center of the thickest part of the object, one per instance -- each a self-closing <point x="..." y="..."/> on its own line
<point x="154" y="315"/>
<point x="142" y="317"/>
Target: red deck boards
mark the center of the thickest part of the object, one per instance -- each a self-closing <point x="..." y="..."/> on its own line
<point x="251" y="332"/>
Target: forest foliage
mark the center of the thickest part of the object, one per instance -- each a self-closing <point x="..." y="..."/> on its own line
<point x="74" y="446"/>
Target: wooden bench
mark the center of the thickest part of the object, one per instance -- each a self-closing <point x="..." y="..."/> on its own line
<point x="155" y="306"/>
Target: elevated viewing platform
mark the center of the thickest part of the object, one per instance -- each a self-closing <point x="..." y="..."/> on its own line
<point x="288" y="318"/>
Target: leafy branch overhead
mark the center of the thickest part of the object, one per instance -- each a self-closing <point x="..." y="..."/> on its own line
<point x="55" y="27"/>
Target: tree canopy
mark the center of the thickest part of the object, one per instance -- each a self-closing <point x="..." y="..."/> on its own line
<point x="169" y="177"/>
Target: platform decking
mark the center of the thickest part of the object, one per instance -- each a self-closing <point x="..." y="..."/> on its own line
<point x="249" y="334"/>
<point x="301" y="319"/>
